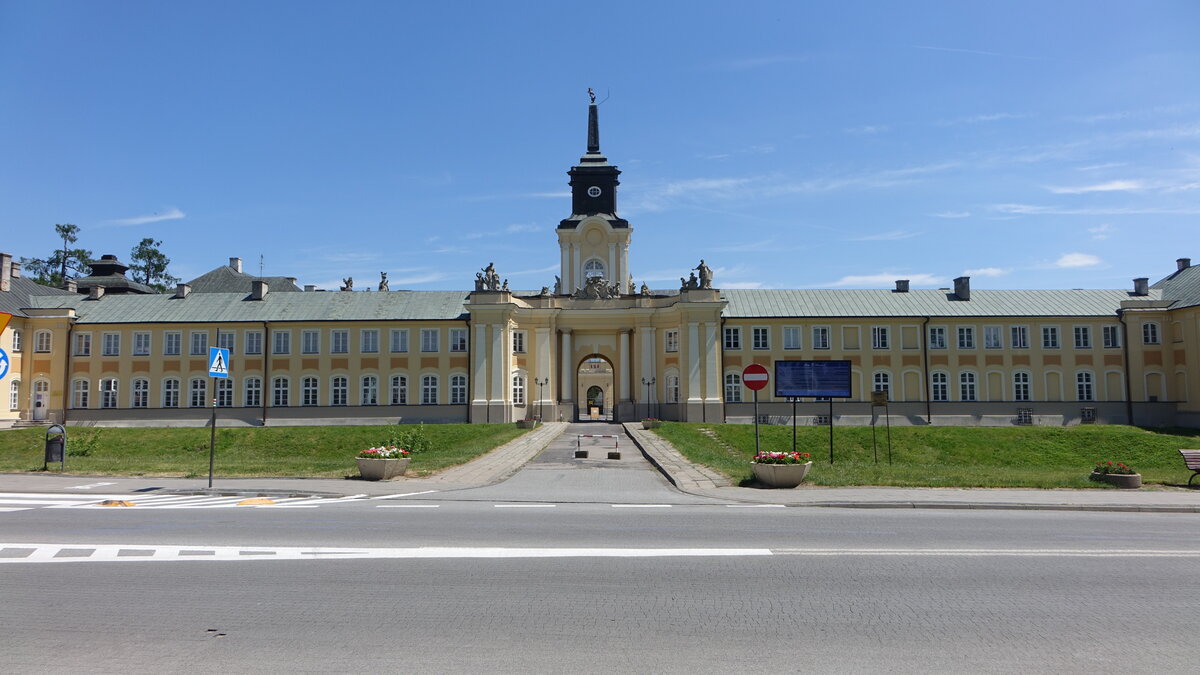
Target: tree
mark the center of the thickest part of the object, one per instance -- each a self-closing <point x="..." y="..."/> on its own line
<point x="149" y="265"/>
<point x="63" y="264"/>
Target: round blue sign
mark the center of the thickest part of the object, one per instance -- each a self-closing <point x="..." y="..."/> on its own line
<point x="3" y="363"/>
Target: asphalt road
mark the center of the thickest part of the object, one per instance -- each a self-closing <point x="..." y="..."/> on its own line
<point x="590" y="567"/>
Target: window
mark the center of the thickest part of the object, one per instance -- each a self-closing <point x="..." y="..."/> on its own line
<point x="41" y="341"/>
<point x="429" y="390"/>
<point x="966" y="386"/>
<point x="518" y="389"/>
<point x="458" y="339"/>
<point x="339" y="341"/>
<point x="1087" y="415"/>
<point x="791" y="337"/>
<point x="79" y="394"/>
<point x="279" y="392"/>
<point x="111" y="345"/>
<point x="1021" y="386"/>
<point x="172" y="342"/>
<point x="940" y="387"/>
<point x="310" y="342"/>
<point x="369" y="390"/>
<point x="1049" y="337"/>
<point x="224" y="392"/>
<point x="14" y="395"/>
<point x="593" y="268"/>
<point x="170" y="393"/>
<point x="140" y="393"/>
<point x="1083" y="387"/>
<point x="141" y="344"/>
<point x="399" y="340"/>
<point x="108" y="392"/>
<point x="733" y="337"/>
<point x="429" y="339"/>
<point x="518" y="341"/>
<point x="883" y="382"/>
<point x="197" y="392"/>
<point x="458" y="389"/>
<point x="254" y="342"/>
<point x="199" y="343"/>
<point x="937" y="337"/>
<point x="83" y="344"/>
<point x="310" y="391"/>
<point x="281" y="342"/>
<point x="966" y="337"/>
<point x="16" y="341"/>
<point x="820" y="337"/>
<point x="1083" y="337"/>
<point x="399" y="390"/>
<point x="760" y="338"/>
<point x="1020" y="337"/>
<point x="991" y="337"/>
<point x="338" y="390"/>
<point x="1024" y="416"/>
<point x="252" y="396"/>
<point x="368" y="340"/>
<point x="879" y="337"/>
<point x="733" y="388"/>
<point x="1112" y="336"/>
<point x="671" y="341"/>
<point x="1150" y="333"/>
<point x="671" y="389"/>
<point x="226" y="340"/>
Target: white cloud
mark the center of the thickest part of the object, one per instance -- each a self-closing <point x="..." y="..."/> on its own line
<point x="868" y="130"/>
<point x="519" y="227"/>
<point x="894" y="235"/>
<point x="952" y="214"/>
<point x="986" y="272"/>
<point x="886" y="279"/>
<point x="166" y="214"/>
<point x="1110" y="186"/>
<point x="1069" y="260"/>
<point x="1033" y="210"/>
<point x="1102" y="231"/>
<point x="977" y="119"/>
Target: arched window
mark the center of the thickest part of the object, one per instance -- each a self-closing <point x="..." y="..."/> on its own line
<point x="1020" y="386"/>
<point x="429" y="390"/>
<point x="593" y="268"/>
<point x="733" y="388"/>
<point x="108" y="392"/>
<point x="280" y="388"/>
<point x="197" y="392"/>
<point x="170" y="393"/>
<point x="1084" y="390"/>
<point x="224" y="392"/>
<point x="338" y="387"/>
<point x="310" y="390"/>
<point x="42" y="342"/>
<point x="671" y="388"/>
<point x="370" y="390"/>
<point x="252" y="393"/>
<point x="79" y="394"/>
<point x="399" y="390"/>
<point x="458" y="389"/>
<point x="940" y="387"/>
<point x="518" y="389"/>
<point x="14" y="395"/>
<point x="966" y="387"/>
<point x="883" y="382"/>
<point x="139" y="393"/>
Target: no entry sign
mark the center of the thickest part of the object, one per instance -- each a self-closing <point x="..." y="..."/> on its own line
<point x="755" y="377"/>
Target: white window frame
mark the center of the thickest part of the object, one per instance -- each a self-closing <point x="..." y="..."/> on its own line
<point x="458" y="339"/>
<point x="1151" y="334"/>
<point x="16" y="341"/>
<point x="880" y="339"/>
<point x="281" y="391"/>
<point x="671" y="341"/>
<point x="310" y="341"/>
<point x="198" y="392"/>
<point x="339" y="390"/>
<point x="939" y="386"/>
<point x="399" y="341"/>
<point x="458" y="389"/>
<point x="281" y="342"/>
<point x="1018" y="337"/>
<point x="109" y="388"/>
<point x="368" y="389"/>
<point x="224" y="392"/>
<point x="882" y="381"/>
<point x="43" y="340"/>
<point x="733" y="388"/>
<point x="252" y="392"/>
<point x="793" y="337"/>
<point x="518" y="341"/>
<point x="398" y="390"/>
<point x="518" y="388"/>
<point x="80" y="391"/>
<point x="671" y="388"/>
<point x="254" y="342"/>
<point x="1022" y="386"/>
<point x="310" y="390"/>
<point x="14" y="395"/>
<point x="429" y="389"/>
<point x="993" y="337"/>
<point x="732" y="340"/>
<point x="198" y="343"/>
<point x="171" y="391"/>
<point x="822" y="337"/>
<point x="965" y="337"/>
<point x="937" y="337"/>
<point x="760" y="338"/>
<point x="172" y="343"/>
<point x="110" y="345"/>
<point x="227" y="339"/>
<point x="368" y="341"/>
<point x="431" y="339"/>
<point x="1051" y="339"/>
<point x="1111" y="336"/>
<point x="968" y="386"/>
<point x="1082" y="336"/>
<point x="82" y="345"/>
<point x="1085" y="386"/>
<point x="143" y="343"/>
<point x="139" y="393"/>
<point x="339" y="341"/>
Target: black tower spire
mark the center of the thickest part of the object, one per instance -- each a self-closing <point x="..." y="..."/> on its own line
<point x="593" y="181"/>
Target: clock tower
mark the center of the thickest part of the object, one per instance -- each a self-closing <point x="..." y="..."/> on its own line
<point x="594" y="241"/>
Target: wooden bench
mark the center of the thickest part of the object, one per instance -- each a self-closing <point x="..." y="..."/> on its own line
<point x="1192" y="459"/>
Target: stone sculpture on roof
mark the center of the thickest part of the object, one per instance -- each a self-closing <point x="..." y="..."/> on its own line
<point x="349" y="284"/>
<point x="597" y="288"/>
<point x="383" y="281"/>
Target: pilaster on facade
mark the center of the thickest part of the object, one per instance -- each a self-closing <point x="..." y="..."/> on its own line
<point x="566" y="364"/>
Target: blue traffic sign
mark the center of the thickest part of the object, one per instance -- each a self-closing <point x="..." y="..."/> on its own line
<point x="3" y="363"/>
<point x="218" y="362"/>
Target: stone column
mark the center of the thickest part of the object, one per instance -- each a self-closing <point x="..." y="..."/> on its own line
<point x="614" y="275"/>
<point x="714" y="394"/>
<point x="566" y="365"/>
<point x="693" y="363"/>
<point x="479" y="384"/>
<point x="575" y="269"/>
<point x="499" y="411"/>
<point x="543" y="372"/>
<point x="625" y="372"/>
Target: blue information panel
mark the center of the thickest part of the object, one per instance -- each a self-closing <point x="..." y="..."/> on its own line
<point x="830" y="379"/>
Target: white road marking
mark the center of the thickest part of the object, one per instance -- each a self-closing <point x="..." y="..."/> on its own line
<point x="158" y="501"/>
<point x="992" y="552"/>
<point x="641" y="506"/>
<point x="755" y="506"/>
<point x="406" y="494"/>
<point x="89" y="486"/>
<point x="5" y="509"/>
<point x="524" y="506"/>
<point x="407" y="506"/>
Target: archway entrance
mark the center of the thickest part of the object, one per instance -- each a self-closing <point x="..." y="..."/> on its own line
<point x="595" y="394"/>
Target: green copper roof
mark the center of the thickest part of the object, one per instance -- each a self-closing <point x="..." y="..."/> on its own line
<point x="762" y="303"/>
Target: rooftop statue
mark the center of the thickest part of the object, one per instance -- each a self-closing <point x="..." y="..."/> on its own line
<point x="383" y="282"/>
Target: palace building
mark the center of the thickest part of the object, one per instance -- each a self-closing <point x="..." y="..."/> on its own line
<point x="108" y="351"/>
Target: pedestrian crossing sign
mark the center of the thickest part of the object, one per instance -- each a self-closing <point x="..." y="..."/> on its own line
<point x="218" y="362"/>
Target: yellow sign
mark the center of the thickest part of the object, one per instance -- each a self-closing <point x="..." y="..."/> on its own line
<point x="5" y="317"/>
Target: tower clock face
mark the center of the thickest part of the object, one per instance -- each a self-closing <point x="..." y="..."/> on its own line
<point x="593" y="191"/>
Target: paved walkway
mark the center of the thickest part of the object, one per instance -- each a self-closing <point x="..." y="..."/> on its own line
<point x="503" y="462"/>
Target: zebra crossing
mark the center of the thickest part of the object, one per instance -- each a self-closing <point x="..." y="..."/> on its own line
<point x="19" y="501"/>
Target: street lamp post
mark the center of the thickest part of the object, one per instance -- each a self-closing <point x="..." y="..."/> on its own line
<point x="649" y="383"/>
<point x="541" y="383"/>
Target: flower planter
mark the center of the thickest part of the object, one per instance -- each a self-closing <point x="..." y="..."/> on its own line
<point x="780" y="475"/>
<point x="1125" y="481"/>
<point x="651" y="424"/>
<point x="381" y="469"/>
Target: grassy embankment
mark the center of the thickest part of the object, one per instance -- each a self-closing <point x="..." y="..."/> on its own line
<point x="272" y="451"/>
<point x="1041" y="457"/>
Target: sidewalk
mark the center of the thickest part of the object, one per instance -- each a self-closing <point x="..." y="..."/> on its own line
<point x="699" y="480"/>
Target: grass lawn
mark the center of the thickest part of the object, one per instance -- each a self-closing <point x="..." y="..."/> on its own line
<point x="1041" y="457"/>
<point x="322" y="452"/>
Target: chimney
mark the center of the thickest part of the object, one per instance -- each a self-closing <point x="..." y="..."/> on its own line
<point x="16" y="269"/>
<point x="1141" y="286"/>
<point x="962" y="288"/>
<point x="96" y="292"/>
<point x="5" y="271"/>
<point x="309" y="288"/>
<point x="1183" y="264"/>
<point x="236" y="264"/>
<point x="182" y="290"/>
<point x="258" y="290"/>
<point x="70" y="285"/>
<point x="902" y="285"/>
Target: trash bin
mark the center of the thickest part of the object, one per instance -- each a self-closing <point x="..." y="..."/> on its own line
<point x="56" y="444"/>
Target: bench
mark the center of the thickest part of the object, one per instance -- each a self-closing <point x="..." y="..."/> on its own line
<point x="1192" y="459"/>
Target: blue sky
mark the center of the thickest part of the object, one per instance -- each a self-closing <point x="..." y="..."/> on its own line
<point x="789" y="144"/>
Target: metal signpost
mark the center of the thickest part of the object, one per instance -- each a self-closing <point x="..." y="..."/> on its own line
<point x="218" y="369"/>
<point x="755" y="377"/>
<point x="649" y="383"/>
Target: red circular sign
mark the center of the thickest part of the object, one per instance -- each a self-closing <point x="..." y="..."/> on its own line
<point x="755" y="377"/>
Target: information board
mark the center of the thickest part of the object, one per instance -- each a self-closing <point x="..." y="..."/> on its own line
<point x="828" y="379"/>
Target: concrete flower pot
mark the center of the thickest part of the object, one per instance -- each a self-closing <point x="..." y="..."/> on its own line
<point x="780" y="475"/>
<point x="381" y="469"/>
<point x="1128" y="481"/>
